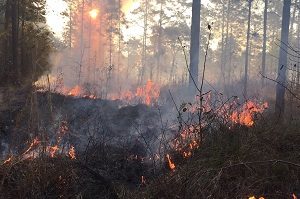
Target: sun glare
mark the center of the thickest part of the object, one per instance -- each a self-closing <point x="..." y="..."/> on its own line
<point x="94" y="13"/>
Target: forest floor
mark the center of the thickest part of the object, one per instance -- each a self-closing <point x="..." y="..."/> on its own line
<point x="114" y="154"/>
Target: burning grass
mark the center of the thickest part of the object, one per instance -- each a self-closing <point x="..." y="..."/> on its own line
<point x="231" y="152"/>
<point x="243" y="162"/>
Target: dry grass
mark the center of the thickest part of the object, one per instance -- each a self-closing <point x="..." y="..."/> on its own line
<point x="238" y="163"/>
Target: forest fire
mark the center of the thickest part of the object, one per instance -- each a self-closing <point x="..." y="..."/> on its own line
<point x="188" y="141"/>
<point x="113" y="99"/>
<point x="75" y="92"/>
<point x="245" y="115"/>
<point x="147" y="94"/>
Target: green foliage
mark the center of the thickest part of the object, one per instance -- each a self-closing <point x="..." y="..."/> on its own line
<point x="33" y="45"/>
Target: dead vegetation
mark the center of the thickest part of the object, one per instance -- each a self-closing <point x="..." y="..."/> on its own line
<point x="231" y="158"/>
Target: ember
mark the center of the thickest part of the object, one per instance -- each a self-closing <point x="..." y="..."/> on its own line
<point x="53" y="150"/>
<point x="143" y="180"/>
<point x="7" y="161"/>
<point x="33" y="144"/>
<point x="72" y="154"/>
<point x="171" y="164"/>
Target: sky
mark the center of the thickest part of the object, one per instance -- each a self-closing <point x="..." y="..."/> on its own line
<point x="57" y="22"/>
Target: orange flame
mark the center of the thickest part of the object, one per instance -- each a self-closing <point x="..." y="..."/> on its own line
<point x="171" y="164"/>
<point x="7" y="161"/>
<point x="246" y="114"/>
<point x="294" y="196"/>
<point x="53" y="150"/>
<point x="76" y="91"/>
<point x="187" y="141"/>
<point x="147" y="94"/>
<point x="143" y="180"/>
<point x="72" y="153"/>
<point x="34" y="143"/>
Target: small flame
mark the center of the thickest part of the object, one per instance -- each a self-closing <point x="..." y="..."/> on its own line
<point x="294" y="196"/>
<point x="53" y="150"/>
<point x="143" y="180"/>
<point x="187" y="141"/>
<point x="253" y="197"/>
<point x="34" y="143"/>
<point x="72" y="153"/>
<point x="75" y="92"/>
<point x="245" y="116"/>
<point x="7" y="161"/>
<point x="147" y="94"/>
<point x="171" y="164"/>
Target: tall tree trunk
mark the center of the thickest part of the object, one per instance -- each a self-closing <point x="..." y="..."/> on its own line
<point x="282" y="64"/>
<point x="119" y="44"/>
<point x="247" y="50"/>
<point x="263" y="64"/>
<point x="195" y="45"/>
<point x="81" y="42"/>
<point x="222" y="60"/>
<point x="158" y="50"/>
<point x="226" y="44"/>
<point x="71" y="26"/>
<point x="144" y="52"/>
<point x="298" y="45"/>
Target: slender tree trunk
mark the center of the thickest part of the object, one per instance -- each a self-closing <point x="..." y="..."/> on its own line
<point x="226" y="44"/>
<point x="82" y="25"/>
<point x="81" y="42"/>
<point x="247" y="50"/>
<point x="144" y="52"/>
<point x="119" y="43"/>
<point x="222" y="75"/>
<point x="195" y="45"/>
<point x="158" y="50"/>
<point x="263" y="64"/>
<point x="298" y="44"/>
<point x="70" y="27"/>
<point x="282" y="64"/>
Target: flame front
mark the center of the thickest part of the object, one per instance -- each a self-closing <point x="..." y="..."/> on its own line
<point x="245" y="116"/>
<point x="147" y="94"/>
<point x="76" y="91"/>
